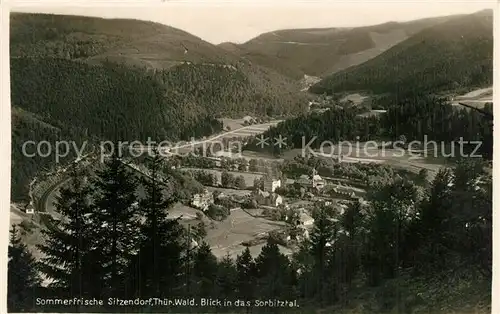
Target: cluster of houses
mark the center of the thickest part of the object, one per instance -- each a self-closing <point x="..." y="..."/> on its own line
<point x="341" y="192"/>
<point x="266" y="196"/>
<point x="313" y="182"/>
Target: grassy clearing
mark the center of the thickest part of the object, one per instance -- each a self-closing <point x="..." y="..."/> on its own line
<point x="249" y="177"/>
<point x="228" y="235"/>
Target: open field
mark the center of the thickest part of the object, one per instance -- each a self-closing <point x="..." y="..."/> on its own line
<point x="248" y="154"/>
<point x="243" y="131"/>
<point x="411" y="161"/>
<point x="230" y="191"/>
<point x="477" y="98"/>
<point x="239" y="227"/>
<point x="184" y="212"/>
<point x="238" y="132"/>
<point x="234" y="124"/>
<point x="357" y="99"/>
<point x="226" y="237"/>
<point x="477" y="93"/>
<point x="249" y="177"/>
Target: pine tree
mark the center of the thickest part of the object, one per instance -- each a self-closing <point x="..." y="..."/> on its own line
<point x="118" y="220"/>
<point x="226" y="279"/>
<point x="22" y="275"/>
<point x="158" y="263"/>
<point x="352" y="225"/>
<point x="70" y="255"/>
<point x="204" y="270"/>
<point x="199" y="231"/>
<point x="432" y="227"/>
<point x="273" y="272"/>
<point x="246" y="276"/>
<point x="322" y="237"/>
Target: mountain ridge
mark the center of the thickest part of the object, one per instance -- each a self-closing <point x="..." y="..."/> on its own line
<point x="322" y="51"/>
<point x="456" y="53"/>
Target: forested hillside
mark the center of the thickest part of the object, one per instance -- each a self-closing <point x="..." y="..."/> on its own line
<point x="323" y="51"/>
<point x="412" y="117"/>
<point x="117" y="101"/>
<point x="130" y="41"/>
<point x="130" y="80"/>
<point x="29" y="127"/>
<point x="449" y="56"/>
<point x="109" y="102"/>
<point x="234" y="90"/>
<point x="268" y="61"/>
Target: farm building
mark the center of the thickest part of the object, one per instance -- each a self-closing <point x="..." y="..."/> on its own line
<point x="266" y="198"/>
<point x="315" y="181"/>
<point x="203" y="200"/>
<point x="270" y="185"/>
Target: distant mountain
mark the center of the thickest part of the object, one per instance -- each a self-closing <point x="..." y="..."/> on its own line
<point x="156" y="47"/>
<point x="267" y="61"/>
<point x="452" y="55"/>
<point x="133" y="42"/>
<point x="319" y="52"/>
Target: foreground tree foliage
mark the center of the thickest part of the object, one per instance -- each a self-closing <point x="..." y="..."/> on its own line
<point x="22" y="275"/>
<point x="116" y="221"/>
<point x="72" y="257"/>
<point x="404" y="232"/>
<point x="156" y="269"/>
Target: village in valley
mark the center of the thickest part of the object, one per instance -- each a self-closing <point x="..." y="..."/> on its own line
<point x="237" y="201"/>
<point x="230" y="200"/>
<point x="246" y="202"/>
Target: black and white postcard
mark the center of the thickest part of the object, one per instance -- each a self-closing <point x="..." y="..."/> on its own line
<point x="178" y="157"/>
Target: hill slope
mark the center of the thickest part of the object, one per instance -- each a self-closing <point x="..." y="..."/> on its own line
<point x="154" y="46"/>
<point x="320" y="52"/>
<point x="265" y="60"/>
<point x="457" y="53"/>
<point x="128" y="80"/>
<point x="88" y="38"/>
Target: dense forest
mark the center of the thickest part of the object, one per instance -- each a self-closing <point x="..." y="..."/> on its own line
<point x="226" y="90"/>
<point x="454" y="55"/>
<point x="414" y="117"/>
<point x="81" y="102"/>
<point x="408" y="234"/>
<point x="112" y="79"/>
<point x="81" y="38"/>
<point x="113" y="101"/>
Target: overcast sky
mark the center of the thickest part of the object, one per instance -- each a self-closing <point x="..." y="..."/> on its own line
<point x="238" y="23"/>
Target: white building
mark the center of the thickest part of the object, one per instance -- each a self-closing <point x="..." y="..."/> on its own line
<point x="276" y="199"/>
<point x="271" y="185"/>
<point x="203" y="200"/>
<point x="306" y="220"/>
<point x="317" y="181"/>
<point x="270" y="199"/>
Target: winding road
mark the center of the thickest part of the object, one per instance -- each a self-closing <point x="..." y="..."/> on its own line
<point x="41" y="205"/>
